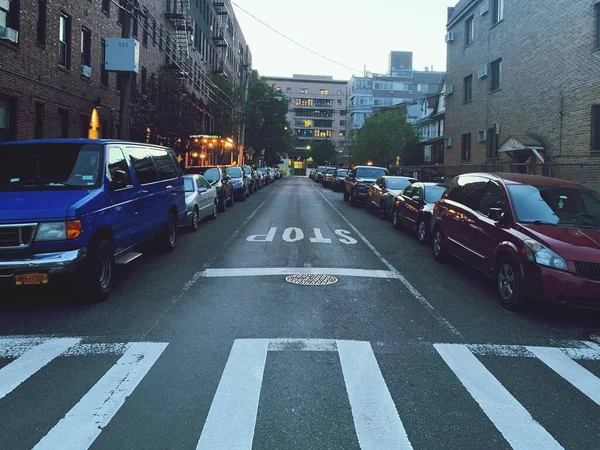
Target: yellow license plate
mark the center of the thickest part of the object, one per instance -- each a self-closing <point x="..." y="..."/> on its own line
<point x="31" y="278"/>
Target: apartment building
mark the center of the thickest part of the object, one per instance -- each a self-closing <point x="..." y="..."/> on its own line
<point x="401" y="84"/>
<point x="317" y="108"/>
<point x="52" y="61"/>
<point x="524" y="84"/>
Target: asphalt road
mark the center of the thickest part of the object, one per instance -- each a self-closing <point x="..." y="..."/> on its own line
<point x="211" y="348"/>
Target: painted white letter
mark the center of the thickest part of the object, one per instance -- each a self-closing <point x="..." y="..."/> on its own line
<point x="345" y="237"/>
<point x="287" y="234"/>
<point x="319" y="237"/>
<point x="263" y="237"/>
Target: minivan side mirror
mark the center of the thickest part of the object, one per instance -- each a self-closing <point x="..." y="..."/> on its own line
<point x="120" y="179"/>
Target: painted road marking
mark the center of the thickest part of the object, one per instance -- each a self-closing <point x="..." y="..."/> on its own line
<point x="508" y="415"/>
<point x="295" y="234"/>
<point x="15" y="373"/>
<point x="266" y="271"/>
<point x="232" y="417"/>
<point x="378" y="425"/>
<point x="574" y="373"/>
<point x="84" y="423"/>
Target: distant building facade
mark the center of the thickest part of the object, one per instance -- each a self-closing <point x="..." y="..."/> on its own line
<point x="402" y="84"/>
<point x="317" y="109"/>
<point x="524" y="83"/>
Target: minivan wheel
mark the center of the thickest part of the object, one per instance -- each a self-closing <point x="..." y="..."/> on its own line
<point x="96" y="274"/>
<point x="439" y="253"/>
<point x="167" y="239"/>
<point x="508" y="284"/>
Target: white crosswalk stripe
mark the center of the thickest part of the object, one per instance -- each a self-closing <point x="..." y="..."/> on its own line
<point x="379" y="419"/>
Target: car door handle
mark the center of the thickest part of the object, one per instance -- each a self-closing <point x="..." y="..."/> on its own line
<point x="169" y="187"/>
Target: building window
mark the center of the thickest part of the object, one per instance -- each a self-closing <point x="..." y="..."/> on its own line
<point x="106" y="6"/>
<point x="41" y="22"/>
<point x="154" y="31"/>
<point x="324" y="91"/>
<point x="64" y="38"/>
<point x="288" y="90"/>
<point x="160" y="39"/>
<point x="84" y="125"/>
<point x="145" y="31"/>
<point x="496" y="68"/>
<point x="121" y="15"/>
<point x="598" y="25"/>
<point x="304" y="90"/>
<point x="468" y="89"/>
<point x="62" y="130"/>
<point x="86" y="47"/>
<point x="143" y="83"/>
<point x="10" y="14"/>
<point x="497" y="11"/>
<point x="38" y="128"/>
<point x="596" y="128"/>
<point x="136" y="20"/>
<point x="465" y="147"/>
<point x="469" y="31"/>
<point x="103" y="71"/>
<point x="492" y="143"/>
<point x="8" y="112"/>
<point x="339" y="102"/>
<point x="342" y="123"/>
<point x="339" y="92"/>
<point x="342" y="133"/>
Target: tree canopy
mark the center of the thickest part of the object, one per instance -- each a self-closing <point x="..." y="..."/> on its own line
<point x="384" y="137"/>
<point x="322" y="152"/>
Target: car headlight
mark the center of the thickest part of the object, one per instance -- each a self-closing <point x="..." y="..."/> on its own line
<point x="58" y="231"/>
<point x="543" y="255"/>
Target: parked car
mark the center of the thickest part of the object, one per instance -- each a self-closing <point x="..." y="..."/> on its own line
<point x="538" y="237"/>
<point x="260" y="179"/>
<point x="78" y="207"/>
<point x="413" y="208"/>
<point x="201" y="200"/>
<point x="217" y="177"/>
<point x="338" y="179"/>
<point x="358" y="181"/>
<point x="240" y="182"/>
<point x="319" y="173"/>
<point x="266" y="173"/>
<point x="252" y="185"/>
<point x="381" y="194"/>
<point x="328" y="177"/>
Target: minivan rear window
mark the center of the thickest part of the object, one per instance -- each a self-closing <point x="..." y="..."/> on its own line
<point x="50" y="166"/>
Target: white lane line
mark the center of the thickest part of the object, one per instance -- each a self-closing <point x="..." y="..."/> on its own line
<point x="265" y="271"/>
<point x="416" y="294"/>
<point x="85" y="421"/>
<point x="574" y="373"/>
<point x="303" y="345"/>
<point x="378" y="425"/>
<point x="15" y="373"/>
<point x="523" y="351"/>
<point x="506" y="413"/>
<point x="232" y="416"/>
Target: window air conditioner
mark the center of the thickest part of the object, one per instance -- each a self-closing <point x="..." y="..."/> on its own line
<point x="482" y="72"/>
<point x="450" y="37"/>
<point x="8" y="34"/>
<point x="86" y="71"/>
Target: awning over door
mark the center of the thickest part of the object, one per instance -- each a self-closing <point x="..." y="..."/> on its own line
<point x="515" y="145"/>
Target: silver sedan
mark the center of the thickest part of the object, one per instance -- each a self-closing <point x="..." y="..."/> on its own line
<point x="201" y="200"/>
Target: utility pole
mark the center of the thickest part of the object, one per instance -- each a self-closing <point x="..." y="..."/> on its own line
<point x="126" y="77"/>
<point x="242" y="144"/>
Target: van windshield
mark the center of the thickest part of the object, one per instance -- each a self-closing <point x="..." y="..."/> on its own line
<point x="50" y="166"/>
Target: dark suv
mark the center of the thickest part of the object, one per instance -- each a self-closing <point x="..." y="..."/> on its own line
<point x="217" y="177"/>
<point x="359" y="180"/>
<point x="538" y="237"/>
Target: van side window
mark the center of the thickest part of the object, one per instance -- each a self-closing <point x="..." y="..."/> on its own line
<point x="116" y="161"/>
<point x="144" y="167"/>
<point x="164" y="164"/>
<point x="493" y="197"/>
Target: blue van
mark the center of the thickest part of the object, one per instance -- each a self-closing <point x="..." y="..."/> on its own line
<point x="78" y="207"/>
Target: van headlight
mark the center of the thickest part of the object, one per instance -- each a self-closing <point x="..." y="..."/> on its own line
<point x="542" y="255"/>
<point x="58" y="231"/>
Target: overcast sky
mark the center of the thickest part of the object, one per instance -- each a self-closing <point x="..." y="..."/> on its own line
<point x="352" y="32"/>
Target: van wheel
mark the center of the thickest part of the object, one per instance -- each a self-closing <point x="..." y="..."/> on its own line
<point x="439" y="252"/>
<point x="96" y="274"/>
<point x="167" y="239"/>
<point x="508" y="284"/>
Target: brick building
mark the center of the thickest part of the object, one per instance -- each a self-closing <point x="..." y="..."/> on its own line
<point x="51" y="73"/>
<point x="526" y="84"/>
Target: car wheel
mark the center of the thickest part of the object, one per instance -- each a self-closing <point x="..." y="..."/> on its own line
<point x="439" y="252"/>
<point x="346" y="196"/>
<point x="167" y="238"/>
<point x="396" y="219"/>
<point x="508" y="284"/>
<point x="215" y="208"/>
<point x="195" y="219"/>
<point x="382" y="212"/>
<point x="368" y="204"/>
<point x="95" y="276"/>
<point x="422" y="232"/>
<point x="223" y="203"/>
<point x="353" y="199"/>
<point x="232" y="199"/>
<point x="247" y="192"/>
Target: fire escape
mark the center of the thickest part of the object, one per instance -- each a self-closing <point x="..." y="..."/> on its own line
<point x="220" y="36"/>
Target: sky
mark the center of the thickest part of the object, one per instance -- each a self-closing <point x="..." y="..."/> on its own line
<point x="355" y="33"/>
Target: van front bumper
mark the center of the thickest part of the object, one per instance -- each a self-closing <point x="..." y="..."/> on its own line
<point x="54" y="263"/>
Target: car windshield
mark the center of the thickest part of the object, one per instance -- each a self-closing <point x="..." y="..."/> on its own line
<point x="563" y="206"/>
<point x="50" y="166"/>
<point x="433" y="193"/>
<point x="398" y="183"/>
<point x="369" y="172"/>
<point x="342" y="173"/>
<point x="234" y="172"/>
<point x="247" y="171"/>
<point x="262" y="169"/>
<point x="188" y="183"/>
<point x="211" y="174"/>
<point x="330" y="171"/>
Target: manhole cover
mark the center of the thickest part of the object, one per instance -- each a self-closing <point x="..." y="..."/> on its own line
<point x="311" y="280"/>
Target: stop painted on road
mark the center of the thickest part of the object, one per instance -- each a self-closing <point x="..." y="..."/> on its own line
<point x="294" y="234"/>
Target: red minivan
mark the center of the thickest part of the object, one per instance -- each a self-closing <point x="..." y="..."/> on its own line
<point x="538" y="237"/>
